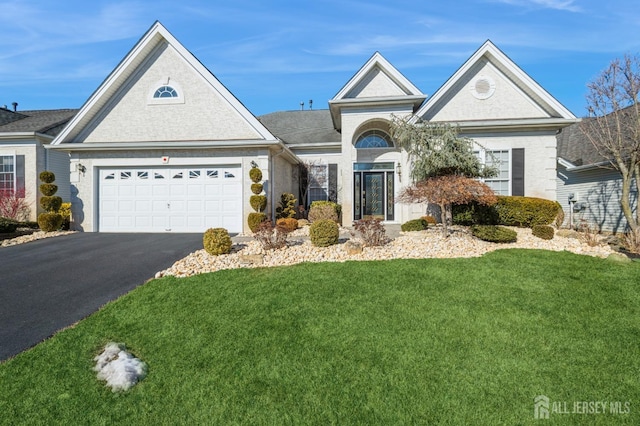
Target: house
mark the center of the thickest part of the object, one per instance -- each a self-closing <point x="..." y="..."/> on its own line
<point x="589" y="188"/>
<point x="162" y="145"/>
<point x="23" y="138"/>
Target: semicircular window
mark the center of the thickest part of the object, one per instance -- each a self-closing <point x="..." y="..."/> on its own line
<point x="374" y="139"/>
<point x="165" y="92"/>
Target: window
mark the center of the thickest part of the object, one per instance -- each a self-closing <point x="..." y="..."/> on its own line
<point x="177" y="175"/>
<point x="318" y="183"/>
<point x="7" y="173"/>
<point x="165" y="92"/>
<point x="125" y="175"/>
<point x="374" y="139"/>
<point x="229" y="175"/>
<point x="213" y="174"/>
<point x="194" y="174"/>
<point x="143" y="175"/>
<point x="500" y="160"/>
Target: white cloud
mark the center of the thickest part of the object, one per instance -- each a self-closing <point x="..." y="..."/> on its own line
<point x="566" y="5"/>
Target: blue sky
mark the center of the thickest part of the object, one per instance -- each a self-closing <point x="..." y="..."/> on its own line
<point x="274" y="54"/>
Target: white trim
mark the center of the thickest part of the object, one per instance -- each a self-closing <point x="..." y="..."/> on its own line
<point x="151" y="100"/>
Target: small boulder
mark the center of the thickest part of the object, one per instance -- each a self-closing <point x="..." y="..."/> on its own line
<point x="353" y="247"/>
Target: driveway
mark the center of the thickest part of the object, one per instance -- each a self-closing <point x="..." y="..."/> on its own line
<point x="49" y="284"/>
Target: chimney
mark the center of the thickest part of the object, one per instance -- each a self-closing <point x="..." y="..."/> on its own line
<point x="15" y="106"/>
<point x="302" y="106"/>
<point x="310" y="103"/>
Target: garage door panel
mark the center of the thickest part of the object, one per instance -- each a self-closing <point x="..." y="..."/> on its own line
<point x="189" y="199"/>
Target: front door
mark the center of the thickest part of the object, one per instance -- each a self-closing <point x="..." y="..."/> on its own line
<point x="373" y="194"/>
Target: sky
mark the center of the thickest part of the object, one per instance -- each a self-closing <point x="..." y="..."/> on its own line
<point x="273" y="55"/>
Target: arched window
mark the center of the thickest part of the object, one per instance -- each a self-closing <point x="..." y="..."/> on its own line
<point x="374" y="139"/>
<point x="165" y="92"/>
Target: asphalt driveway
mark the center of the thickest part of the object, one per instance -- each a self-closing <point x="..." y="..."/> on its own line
<point x="49" y="284"/>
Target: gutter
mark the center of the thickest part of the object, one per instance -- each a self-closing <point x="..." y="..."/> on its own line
<point x="571" y="168"/>
<point x="127" y="146"/>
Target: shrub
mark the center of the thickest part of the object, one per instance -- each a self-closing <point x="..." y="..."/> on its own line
<point x="494" y="233"/>
<point x="13" y="205"/>
<point x="257" y="188"/>
<point x="474" y="214"/>
<point x="414" y="225"/>
<point x="337" y="207"/>
<point x="545" y="232"/>
<point x="49" y="221"/>
<point x="271" y="237"/>
<point x="371" y="231"/>
<point x="217" y="241"/>
<point x="7" y="225"/>
<point x="430" y="220"/>
<point x="65" y="212"/>
<point x="526" y="211"/>
<point x="302" y="223"/>
<point x="258" y="202"/>
<point x="588" y="234"/>
<point x="48" y="189"/>
<point x="255" y="174"/>
<point x="255" y="219"/>
<point x="287" y="207"/>
<point x="51" y="204"/>
<point x="322" y="212"/>
<point x="559" y="220"/>
<point x="47" y="176"/>
<point x="631" y="241"/>
<point x="324" y="233"/>
<point x="288" y="223"/>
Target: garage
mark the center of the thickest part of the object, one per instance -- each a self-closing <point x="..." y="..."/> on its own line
<point x="170" y="199"/>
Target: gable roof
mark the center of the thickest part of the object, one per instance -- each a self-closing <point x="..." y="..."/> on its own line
<point x="406" y="92"/>
<point x="128" y="66"/>
<point x="490" y="53"/>
<point x="302" y="127"/>
<point x="48" y="122"/>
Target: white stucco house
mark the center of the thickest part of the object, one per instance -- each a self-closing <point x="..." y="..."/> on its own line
<point x="23" y="138"/>
<point x="162" y="145"/>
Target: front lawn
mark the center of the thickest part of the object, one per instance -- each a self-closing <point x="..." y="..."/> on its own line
<point x="453" y="341"/>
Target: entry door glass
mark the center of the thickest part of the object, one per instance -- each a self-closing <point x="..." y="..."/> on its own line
<point x="373" y="195"/>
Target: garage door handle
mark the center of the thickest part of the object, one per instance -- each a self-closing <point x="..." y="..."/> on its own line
<point x="168" y="205"/>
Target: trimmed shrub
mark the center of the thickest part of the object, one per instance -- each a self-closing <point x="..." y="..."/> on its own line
<point x="51" y="203"/>
<point x="337" y="207"/>
<point x="474" y="214"/>
<point x="48" y="189"/>
<point x="559" y="220"/>
<point x="49" y="222"/>
<point x="255" y="174"/>
<point x="371" y="231"/>
<point x="217" y="241"/>
<point x="47" y="176"/>
<point x="255" y="219"/>
<point x="494" y="233"/>
<point x="257" y="188"/>
<point x="430" y="220"/>
<point x="526" y="211"/>
<point x="65" y="212"/>
<point x="7" y="225"/>
<point x="414" y="225"/>
<point x="545" y="232"/>
<point x="322" y="212"/>
<point x="287" y="207"/>
<point x="258" y="202"/>
<point x="324" y="233"/>
<point x="289" y="224"/>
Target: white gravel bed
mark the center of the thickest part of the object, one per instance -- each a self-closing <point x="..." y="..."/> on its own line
<point x="409" y="245"/>
<point x="38" y="235"/>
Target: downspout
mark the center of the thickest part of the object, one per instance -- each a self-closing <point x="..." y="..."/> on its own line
<point x="271" y="175"/>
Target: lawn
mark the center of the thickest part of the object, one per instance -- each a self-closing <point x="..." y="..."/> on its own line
<point x="451" y="341"/>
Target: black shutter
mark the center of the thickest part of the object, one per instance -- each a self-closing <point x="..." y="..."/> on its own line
<point x="517" y="171"/>
<point x="20" y="186"/>
<point x="333" y="183"/>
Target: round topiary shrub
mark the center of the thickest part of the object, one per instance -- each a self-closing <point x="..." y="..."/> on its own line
<point x="254" y="220"/>
<point x="322" y="212"/>
<point x="51" y="204"/>
<point x="414" y="225"/>
<point x="257" y="188"/>
<point x="48" y="189"/>
<point x="289" y="224"/>
<point x="324" y="233"/>
<point x="545" y="232"/>
<point x="217" y="241"/>
<point x="494" y="233"/>
<point x="49" y="222"/>
<point x="47" y="176"/>
<point x="258" y="202"/>
<point x="255" y="174"/>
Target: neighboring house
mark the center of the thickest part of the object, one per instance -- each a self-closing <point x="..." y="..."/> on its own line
<point x="589" y="188"/>
<point x="162" y="145"/>
<point x="23" y="138"/>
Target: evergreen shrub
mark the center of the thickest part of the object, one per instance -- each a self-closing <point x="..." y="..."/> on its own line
<point x="217" y="241"/>
<point x="414" y="225"/>
<point x="324" y="233"/>
<point x="494" y="233"/>
<point x="545" y="232"/>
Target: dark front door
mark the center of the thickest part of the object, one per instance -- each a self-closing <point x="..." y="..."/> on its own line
<point x="373" y="195"/>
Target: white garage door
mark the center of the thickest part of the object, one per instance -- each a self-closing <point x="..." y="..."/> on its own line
<point x="170" y="199"/>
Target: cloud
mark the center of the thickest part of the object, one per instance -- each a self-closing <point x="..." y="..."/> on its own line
<point x="565" y="5"/>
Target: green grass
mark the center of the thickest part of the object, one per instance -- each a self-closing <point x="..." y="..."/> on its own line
<point x="454" y="341"/>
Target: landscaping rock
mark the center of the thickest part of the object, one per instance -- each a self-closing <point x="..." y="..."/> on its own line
<point x="353" y="247"/>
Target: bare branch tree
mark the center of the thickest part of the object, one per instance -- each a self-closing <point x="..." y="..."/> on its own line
<point x="614" y="125"/>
